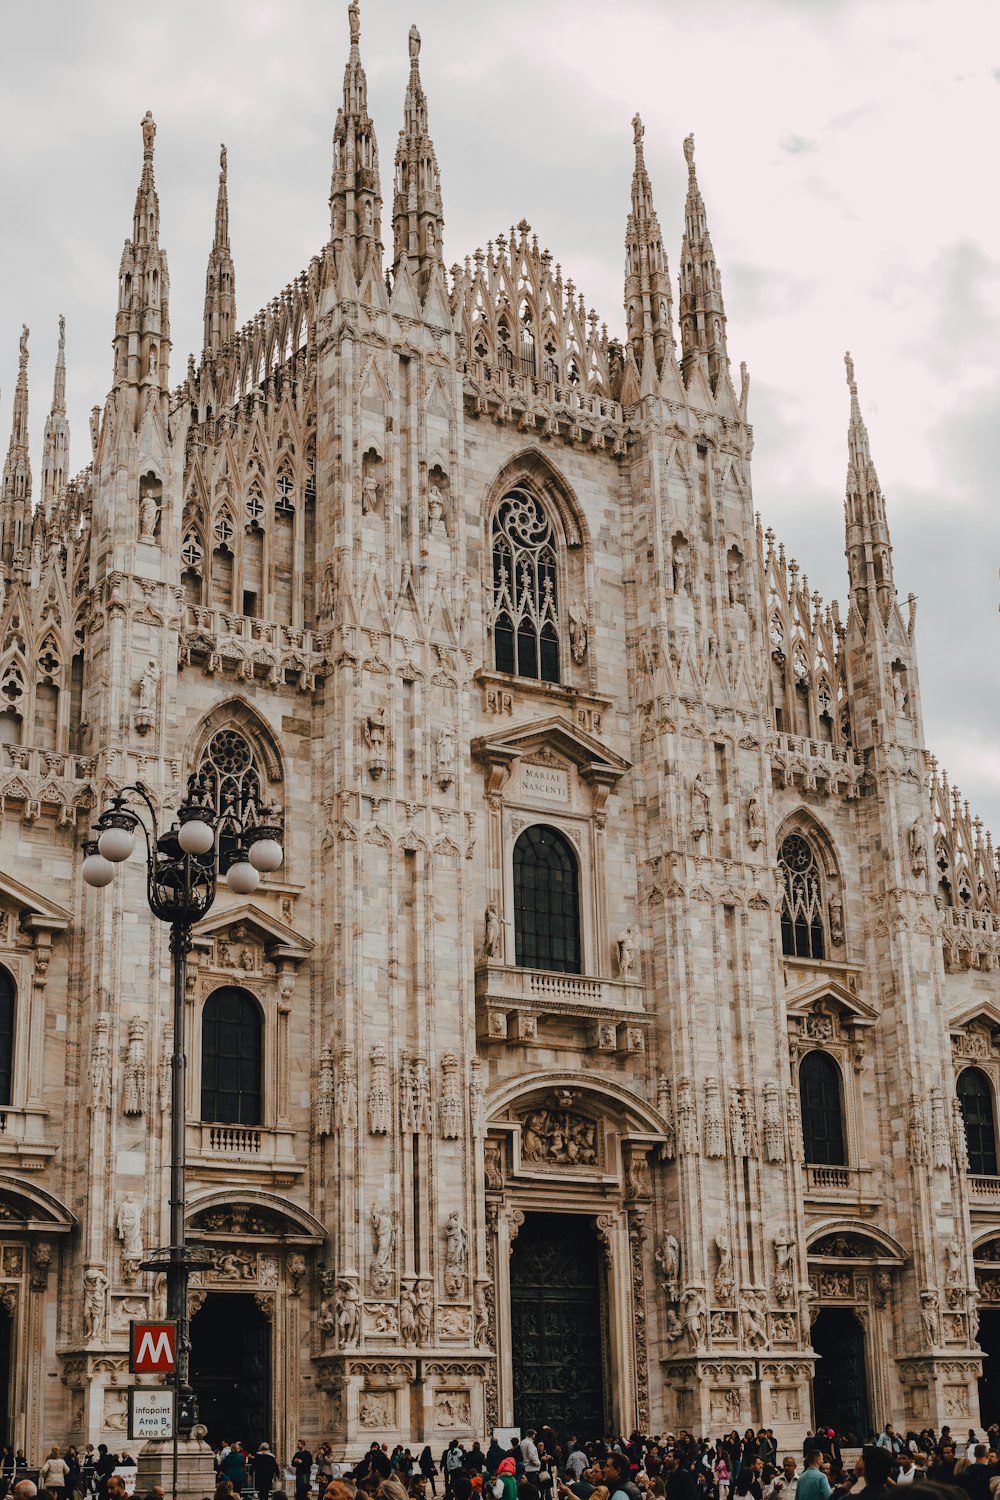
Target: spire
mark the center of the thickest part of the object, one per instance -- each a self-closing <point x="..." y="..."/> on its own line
<point x="702" y="313"/>
<point x="417" y="219"/>
<point x="869" y="550"/>
<point x="648" y="299"/>
<point x="220" y="278"/>
<point x="55" y="450"/>
<point x="355" y="192"/>
<point x="142" y="326"/>
<point x="15" y="497"/>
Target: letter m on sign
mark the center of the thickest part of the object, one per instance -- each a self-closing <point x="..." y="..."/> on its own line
<point x="152" y="1348"/>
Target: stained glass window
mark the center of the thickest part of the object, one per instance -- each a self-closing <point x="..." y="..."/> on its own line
<point x="525" y="618"/>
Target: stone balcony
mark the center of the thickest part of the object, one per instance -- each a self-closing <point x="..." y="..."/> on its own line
<point x="219" y="640"/>
<point x="260" y="1152"/>
<point x="848" y="1187"/>
<point x="24" y="1139"/>
<point x="44" y="781"/>
<point x="538" y="1006"/>
<point x="813" y="765"/>
<point x="984" y="1192"/>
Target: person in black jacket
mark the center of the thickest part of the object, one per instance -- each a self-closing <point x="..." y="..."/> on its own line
<point x="302" y="1464"/>
<point x="265" y="1471"/>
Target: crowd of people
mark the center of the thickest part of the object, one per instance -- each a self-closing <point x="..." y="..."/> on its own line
<point x="676" y="1466"/>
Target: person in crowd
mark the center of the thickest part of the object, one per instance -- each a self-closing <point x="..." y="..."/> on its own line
<point x="812" y="1482"/>
<point x="116" y="1488"/>
<point x="785" y="1483"/>
<point x="429" y="1469"/>
<point x="975" y="1480"/>
<point x="942" y="1469"/>
<point x="74" y="1477"/>
<point x="54" y="1473"/>
<point x="906" y="1472"/>
<point x="25" y="1489"/>
<point x="530" y="1456"/>
<point x="265" y="1471"/>
<point x="301" y="1465"/>
<point x="103" y="1470"/>
<point x="618" y="1477"/>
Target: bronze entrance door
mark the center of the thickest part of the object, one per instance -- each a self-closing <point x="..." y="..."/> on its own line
<point x="840" y="1385"/>
<point x="231" y="1369"/>
<point x="556" y="1323"/>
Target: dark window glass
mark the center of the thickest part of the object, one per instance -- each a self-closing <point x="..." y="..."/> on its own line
<point x="231" y="1059"/>
<point x="525" y="618"/>
<point x="976" y="1098"/>
<point x="546" y="902"/>
<point x="6" y="1036"/>
<point x="802" y="930"/>
<point x="822" y="1115"/>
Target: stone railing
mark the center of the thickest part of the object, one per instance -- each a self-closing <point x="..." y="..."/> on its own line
<point x="814" y="765"/>
<point x="257" y="1148"/>
<point x="841" y="1184"/>
<point x="46" y="763"/>
<point x="985" y="1188"/>
<point x="606" y="1015"/>
<point x="23" y="1137"/>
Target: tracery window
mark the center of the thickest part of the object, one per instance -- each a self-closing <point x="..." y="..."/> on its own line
<point x="546" y="902"/>
<point x="231" y="1054"/>
<point x="976" y="1100"/>
<point x="232" y="780"/>
<point x="802" y="931"/>
<point x="822" y="1111"/>
<point x="7" y="998"/>
<point x="525" y="618"/>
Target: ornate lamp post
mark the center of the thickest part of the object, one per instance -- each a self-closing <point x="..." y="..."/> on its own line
<point x="183" y="866"/>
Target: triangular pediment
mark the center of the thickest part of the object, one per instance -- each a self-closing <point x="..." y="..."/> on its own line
<point x="594" y="760"/>
<point x="35" y="911"/>
<point x="830" y="992"/>
<point x="982" y="1015"/>
<point x="276" y="938"/>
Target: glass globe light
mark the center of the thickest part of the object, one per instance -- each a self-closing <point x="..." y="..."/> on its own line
<point x="196" y="836"/>
<point x="97" y="870"/>
<point x="116" y="843"/>
<point x="266" y="855"/>
<point x="241" y="878"/>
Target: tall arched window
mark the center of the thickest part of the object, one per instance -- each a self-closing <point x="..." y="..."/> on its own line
<point x="7" y="998"/>
<point x="546" y="902"/>
<point x="822" y="1111"/>
<point x="232" y="778"/>
<point x="231" y="1053"/>
<point x="525" y="614"/>
<point x="976" y="1099"/>
<point x="802" y="930"/>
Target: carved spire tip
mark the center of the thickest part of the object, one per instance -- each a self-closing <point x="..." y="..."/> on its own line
<point x="849" y="366"/>
<point x="689" y="151"/>
<point x="414" y="45"/>
<point x="148" y="126"/>
<point x="354" y="21"/>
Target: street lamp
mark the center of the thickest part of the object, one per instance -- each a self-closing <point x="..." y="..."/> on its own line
<point x="183" y="866"/>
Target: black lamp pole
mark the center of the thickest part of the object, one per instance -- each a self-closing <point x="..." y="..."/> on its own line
<point x="183" y="866"/>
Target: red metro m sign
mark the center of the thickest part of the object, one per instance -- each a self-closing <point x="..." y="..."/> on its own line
<point x="152" y="1348"/>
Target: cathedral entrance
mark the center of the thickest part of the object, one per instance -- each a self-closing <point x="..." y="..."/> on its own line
<point x="840" y="1383"/>
<point x="231" y="1369"/>
<point x="557" y="1320"/>
<point x="989" y="1381"/>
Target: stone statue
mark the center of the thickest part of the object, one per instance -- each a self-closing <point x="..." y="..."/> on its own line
<point x="456" y="1253"/>
<point x="625" y="945"/>
<point x="435" y="504"/>
<point x="918" y="848"/>
<point x="369" y="495"/>
<point x="23" y="343"/>
<point x="954" y="1275"/>
<point x="100" y="1063"/>
<point x="414" y="43"/>
<point x="694" y="1312"/>
<point x="700" y="806"/>
<point x="348" y="1312"/>
<point x="675" y="1328"/>
<point x="577" y="633"/>
<point x="638" y="130"/>
<point x="130" y="1227"/>
<point x="95" y="1302"/>
<point x="668" y="1257"/>
<point x="324" y="1091"/>
<point x="836" y="921"/>
<point x="444" y="758"/>
<point x="148" y="132"/>
<point x="407" y="1315"/>
<point x="492" y="931"/>
<point x="134" y="1089"/>
<point x="735" y="578"/>
<point x="784" y="1265"/>
<point x="480" y="1313"/>
<point x="425" y="1311"/>
<point x="725" y="1281"/>
<point x="753" y="1320"/>
<point x="149" y="508"/>
<point x="147" y="689"/>
<point x="681" y="568"/>
<point x="755" y="820"/>
<point x="929" y="1317"/>
<point x="326" y="1320"/>
<point x="383" y="1259"/>
<point x="899" y="693"/>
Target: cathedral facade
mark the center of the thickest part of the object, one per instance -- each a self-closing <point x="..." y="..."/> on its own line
<point x="619" y="1044"/>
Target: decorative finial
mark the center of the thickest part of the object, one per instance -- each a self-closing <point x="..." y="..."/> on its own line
<point x="148" y="133"/>
<point x="25" y="330"/>
<point x="414" y="44"/>
<point x="354" y="20"/>
<point x="223" y="163"/>
<point x="852" y="385"/>
<point x="689" y="151"/>
<point x="62" y="330"/>
<point x="638" y="130"/>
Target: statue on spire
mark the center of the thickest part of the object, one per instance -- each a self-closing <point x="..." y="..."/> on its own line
<point x="414" y="44"/>
<point x="23" y="346"/>
<point x="354" y="21"/>
<point x="851" y="383"/>
<point x="689" y="151"/>
<point x="223" y="167"/>
<point x="638" y="129"/>
<point x="148" y="132"/>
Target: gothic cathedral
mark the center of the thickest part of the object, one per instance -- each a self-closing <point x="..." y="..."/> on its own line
<point x="619" y="1044"/>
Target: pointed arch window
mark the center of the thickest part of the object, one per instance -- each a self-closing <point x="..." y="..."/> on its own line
<point x="525" y="614"/>
<point x="231" y="776"/>
<point x="546" y="902"/>
<point x="8" y="996"/>
<point x="802" y="931"/>
<point x="820" y="1099"/>
<point x="975" y="1096"/>
<point x="231" y="1058"/>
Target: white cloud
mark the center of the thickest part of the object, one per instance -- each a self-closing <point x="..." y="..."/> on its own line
<point x="843" y="153"/>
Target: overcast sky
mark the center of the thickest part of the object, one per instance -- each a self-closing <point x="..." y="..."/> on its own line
<point x="846" y="150"/>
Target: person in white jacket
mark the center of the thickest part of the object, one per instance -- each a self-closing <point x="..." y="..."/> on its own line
<point x="54" y="1473"/>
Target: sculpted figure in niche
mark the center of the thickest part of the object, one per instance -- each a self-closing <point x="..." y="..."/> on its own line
<point x="669" y="1259"/>
<point x="559" y="1136"/>
<point x="899" y="693"/>
<point x="369" y="495"/>
<point x="699" y="806"/>
<point x="836" y="921"/>
<point x="384" y="1234"/>
<point x="918" y="848"/>
<point x="444" y="755"/>
<point x="735" y="577"/>
<point x="577" y="633"/>
<point x="348" y="1312"/>
<point x="929" y="1317"/>
<point x="681" y="567"/>
<point x="456" y="1255"/>
<point x="755" y="820"/>
<point x="695" y="1310"/>
<point x="784" y="1265"/>
<point x="626" y="953"/>
<point x="149" y="509"/>
<point x="407" y="1315"/>
<point x="491" y="931"/>
<point x="435" y="502"/>
<point x="130" y="1227"/>
<point x="725" y="1280"/>
<point x="95" y="1302"/>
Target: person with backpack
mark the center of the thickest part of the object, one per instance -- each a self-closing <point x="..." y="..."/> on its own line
<point x="452" y="1461"/>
